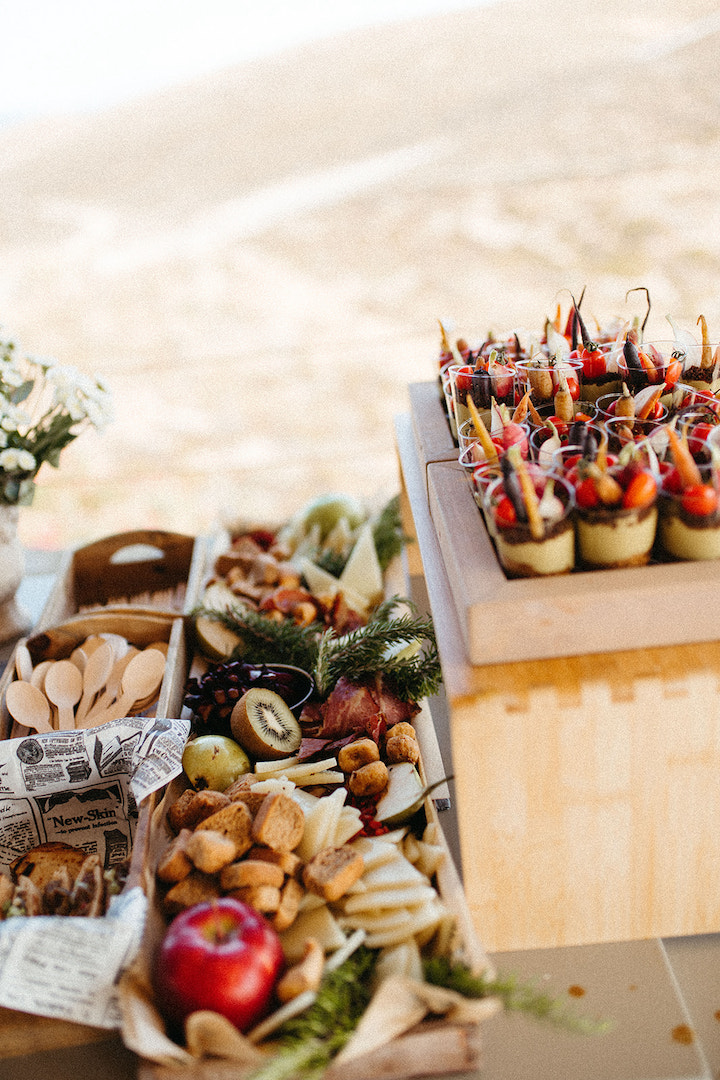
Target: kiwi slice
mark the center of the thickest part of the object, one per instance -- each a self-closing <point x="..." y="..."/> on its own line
<point x="264" y="726"/>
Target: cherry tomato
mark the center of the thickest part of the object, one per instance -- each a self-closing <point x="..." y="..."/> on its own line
<point x="463" y="381"/>
<point x="586" y="494"/>
<point x="670" y="478"/>
<point x="701" y="500"/>
<point x="593" y="362"/>
<point x="673" y="373"/>
<point x="505" y="512"/>
<point x="640" y="492"/>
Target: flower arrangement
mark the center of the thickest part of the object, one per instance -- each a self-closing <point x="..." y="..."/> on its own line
<point x="44" y="406"/>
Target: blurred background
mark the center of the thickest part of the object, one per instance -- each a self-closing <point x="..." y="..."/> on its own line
<point x="250" y="221"/>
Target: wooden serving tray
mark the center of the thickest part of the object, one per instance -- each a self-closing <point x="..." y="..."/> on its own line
<point x="430" y="426"/>
<point x="434" y="1048"/>
<point x="597" y="611"/>
<point x="146" y="569"/>
<point x="140" y="628"/>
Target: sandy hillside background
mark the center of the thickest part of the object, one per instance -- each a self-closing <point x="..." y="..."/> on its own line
<point x="256" y="261"/>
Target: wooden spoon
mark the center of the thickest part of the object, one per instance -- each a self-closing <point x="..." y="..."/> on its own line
<point x="112" y="688"/>
<point x="39" y="672"/>
<point x="28" y="705"/>
<point x="64" y="687"/>
<point x="143" y="674"/>
<point x="96" y="674"/>
<point x="23" y="662"/>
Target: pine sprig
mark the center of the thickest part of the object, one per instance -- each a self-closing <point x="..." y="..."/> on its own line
<point x="368" y="651"/>
<point x="516" y="995"/>
<point x="267" y="641"/>
<point x="361" y="654"/>
<point x="307" y="1043"/>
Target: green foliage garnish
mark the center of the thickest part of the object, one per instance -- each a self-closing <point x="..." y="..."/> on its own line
<point x="333" y="562"/>
<point x="307" y="1043"/>
<point x="516" y="996"/>
<point x="388" y="533"/>
<point x="364" y="653"/>
<point x="367" y="651"/>
<point x="267" y="641"/>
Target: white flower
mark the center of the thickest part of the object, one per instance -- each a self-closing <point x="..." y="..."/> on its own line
<point x="13" y="460"/>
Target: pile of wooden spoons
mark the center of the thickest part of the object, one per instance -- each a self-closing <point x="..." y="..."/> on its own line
<point x="105" y="678"/>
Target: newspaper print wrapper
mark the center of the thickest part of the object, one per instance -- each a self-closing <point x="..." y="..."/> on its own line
<point x="79" y="787"/>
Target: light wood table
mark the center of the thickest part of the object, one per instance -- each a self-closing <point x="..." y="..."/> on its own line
<point x="663" y="994"/>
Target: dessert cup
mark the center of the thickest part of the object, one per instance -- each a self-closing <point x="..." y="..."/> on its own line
<point x="682" y="535"/>
<point x="610" y="537"/>
<point x="701" y="368"/>
<point x="482" y="384"/>
<point x="523" y="555"/>
<point x="543" y="378"/>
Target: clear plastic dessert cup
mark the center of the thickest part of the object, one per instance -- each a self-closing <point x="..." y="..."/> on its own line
<point x="446" y="383"/>
<point x="611" y="537"/>
<point x="563" y="431"/>
<point x="482" y="385"/>
<point x="689" y="522"/>
<point x="600" y="373"/>
<point x="523" y="553"/>
<point x="543" y="379"/>
<point x="656" y="363"/>
<point x="622" y="430"/>
<point x="701" y="369"/>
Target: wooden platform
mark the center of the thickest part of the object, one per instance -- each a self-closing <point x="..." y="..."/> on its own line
<point x="587" y="786"/>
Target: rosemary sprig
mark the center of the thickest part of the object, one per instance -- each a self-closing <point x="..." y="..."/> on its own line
<point x="368" y="651"/>
<point x="516" y="995"/>
<point x="307" y="1043"/>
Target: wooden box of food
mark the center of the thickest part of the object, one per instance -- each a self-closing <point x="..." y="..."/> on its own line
<point x="567" y="615"/>
<point x="144" y="569"/>
<point x="431" y="1047"/>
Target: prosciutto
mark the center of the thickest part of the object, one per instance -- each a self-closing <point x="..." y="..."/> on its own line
<point x="366" y="708"/>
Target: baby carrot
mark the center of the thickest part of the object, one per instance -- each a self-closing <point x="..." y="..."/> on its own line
<point x="684" y="461"/>
<point x="481" y="431"/>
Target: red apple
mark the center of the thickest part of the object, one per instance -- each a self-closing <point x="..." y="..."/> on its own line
<point x="220" y="955"/>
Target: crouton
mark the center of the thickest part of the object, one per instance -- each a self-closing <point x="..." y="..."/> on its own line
<point x="194" y="889"/>
<point x="193" y="807"/>
<point x="209" y="850"/>
<point x="279" y="823"/>
<point x="332" y="871"/>
<point x="238" y="875"/>
<point x="235" y="822"/>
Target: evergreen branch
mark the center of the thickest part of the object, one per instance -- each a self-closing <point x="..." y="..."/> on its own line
<point x="365" y="653"/>
<point x="308" y="1042"/>
<point x="515" y="995"/>
<point x="267" y="641"/>
<point x="388" y="533"/>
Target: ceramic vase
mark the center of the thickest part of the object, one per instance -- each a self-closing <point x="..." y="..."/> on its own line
<point x="14" y="621"/>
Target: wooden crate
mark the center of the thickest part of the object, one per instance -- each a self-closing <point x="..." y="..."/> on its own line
<point x="433" y="437"/>
<point x="118" y="569"/>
